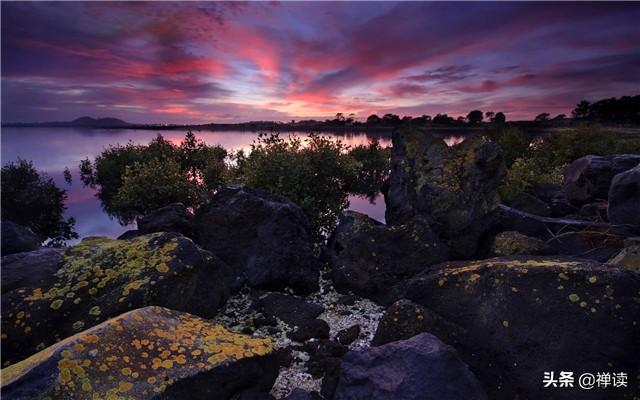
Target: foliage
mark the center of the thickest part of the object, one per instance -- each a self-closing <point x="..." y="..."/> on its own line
<point x="475" y="117"/>
<point x="624" y="109"/>
<point x="314" y="174"/>
<point x="200" y="165"/>
<point x="513" y="141"/>
<point x="153" y="184"/>
<point x="525" y="173"/>
<point x="371" y="170"/>
<point x="33" y="200"/>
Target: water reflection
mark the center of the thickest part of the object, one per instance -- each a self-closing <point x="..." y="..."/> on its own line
<point x="53" y="149"/>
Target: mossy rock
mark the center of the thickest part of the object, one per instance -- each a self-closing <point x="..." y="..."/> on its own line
<point x="512" y="243"/>
<point x="517" y="317"/>
<point x="454" y="188"/>
<point x="101" y="278"/>
<point x="147" y="353"/>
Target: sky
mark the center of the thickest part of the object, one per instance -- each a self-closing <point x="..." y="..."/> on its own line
<point x="167" y="62"/>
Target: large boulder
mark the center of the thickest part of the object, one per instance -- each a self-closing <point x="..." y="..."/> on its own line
<point x="172" y="218"/>
<point x="292" y="310"/>
<point x="148" y="353"/>
<point x="265" y="238"/>
<point x="30" y="269"/>
<point x="101" y="278"/>
<point x="629" y="256"/>
<point x="535" y="314"/>
<point x="369" y="257"/>
<point x="455" y="188"/>
<point x="588" y="178"/>
<point x="624" y="199"/>
<point x="17" y="238"/>
<point x="420" y="368"/>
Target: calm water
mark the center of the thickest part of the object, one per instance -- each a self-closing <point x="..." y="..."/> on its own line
<point x="53" y="149"/>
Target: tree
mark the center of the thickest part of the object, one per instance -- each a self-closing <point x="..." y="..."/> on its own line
<point x="153" y="184"/>
<point x="391" y="119"/>
<point x="582" y="110"/>
<point x="489" y="115"/>
<point x="559" y="117"/>
<point x="544" y="117"/>
<point x="442" y="119"/>
<point x="499" y="118"/>
<point x="372" y="168"/>
<point x="315" y="174"/>
<point x="475" y="117"/>
<point x="373" y="119"/>
<point x="33" y="200"/>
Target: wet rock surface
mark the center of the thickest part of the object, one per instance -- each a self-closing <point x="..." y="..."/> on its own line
<point x="17" y="238"/>
<point x="418" y="368"/>
<point x="521" y="316"/>
<point x="588" y="178"/>
<point x="369" y="257"/>
<point x="265" y="238"/>
<point x="148" y="353"/>
<point x="101" y="278"/>
<point x="454" y="188"/>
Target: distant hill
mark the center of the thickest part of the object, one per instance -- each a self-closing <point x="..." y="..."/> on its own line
<point x="82" y="122"/>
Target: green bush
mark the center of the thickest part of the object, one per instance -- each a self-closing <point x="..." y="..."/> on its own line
<point x="153" y="184"/>
<point x="314" y="173"/>
<point x="514" y="143"/>
<point x="199" y="164"/>
<point x="33" y="200"/>
<point x="525" y="173"/>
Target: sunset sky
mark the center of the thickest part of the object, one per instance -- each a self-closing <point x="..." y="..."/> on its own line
<point x="231" y="62"/>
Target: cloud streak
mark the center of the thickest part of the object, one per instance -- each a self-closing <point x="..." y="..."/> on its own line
<point x="203" y="62"/>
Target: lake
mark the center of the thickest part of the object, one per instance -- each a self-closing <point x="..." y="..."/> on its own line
<point x="53" y="149"/>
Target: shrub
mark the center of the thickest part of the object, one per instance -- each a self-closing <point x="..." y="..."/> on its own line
<point x="33" y="200"/>
<point x="514" y="143"/>
<point x="199" y="164"/>
<point x="150" y="185"/>
<point x="525" y="173"/>
<point x="314" y="174"/>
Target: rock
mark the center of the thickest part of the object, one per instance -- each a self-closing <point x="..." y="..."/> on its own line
<point x="531" y="204"/>
<point x="17" y="238"/>
<point x="172" y="218"/>
<point x="299" y="394"/>
<point x="331" y="378"/>
<point x="293" y="310"/>
<point x="588" y="178"/>
<point x="264" y="237"/>
<point x="147" y="353"/>
<point x="101" y="278"/>
<point x="368" y="257"/>
<point x="535" y="314"/>
<point x="455" y="188"/>
<point x="309" y="329"/>
<point x="624" y="199"/>
<point x="30" y="269"/>
<point x="348" y="335"/>
<point x="593" y="244"/>
<point x="628" y="257"/>
<point x="404" y="319"/>
<point x="596" y="211"/>
<point x="420" y="368"/>
<point x="510" y="243"/>
<point x="130" y="234"/>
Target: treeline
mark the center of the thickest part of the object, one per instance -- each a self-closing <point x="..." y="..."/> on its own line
<point x="626" y="109"/>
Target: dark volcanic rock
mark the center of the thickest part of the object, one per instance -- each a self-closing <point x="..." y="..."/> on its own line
<point x="531" y="204"/>
<point x="265" y="238"/>
<point x="348" y="335"/>
<point x="420" y="368"/>
<point x="299" y="394"/>
<point x="310" y="329"/>
<point x="17" y="238"/>
<point x="30" y="269"/>
<point x="629" y="256"/>
<point x="535" y="314"/>
<point x="588" y="178"/>
<point x="293" y="310"/>
<point x="455" y="188"/>
<point x="148" y="353"/>
<point x="172" y="218"/>
<point x="369" y="257"/>
<point x="624" y="199"/>
<point x="101" y="278"/>
<point x="511" y="243"/>
<point x="404" y="319"/>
